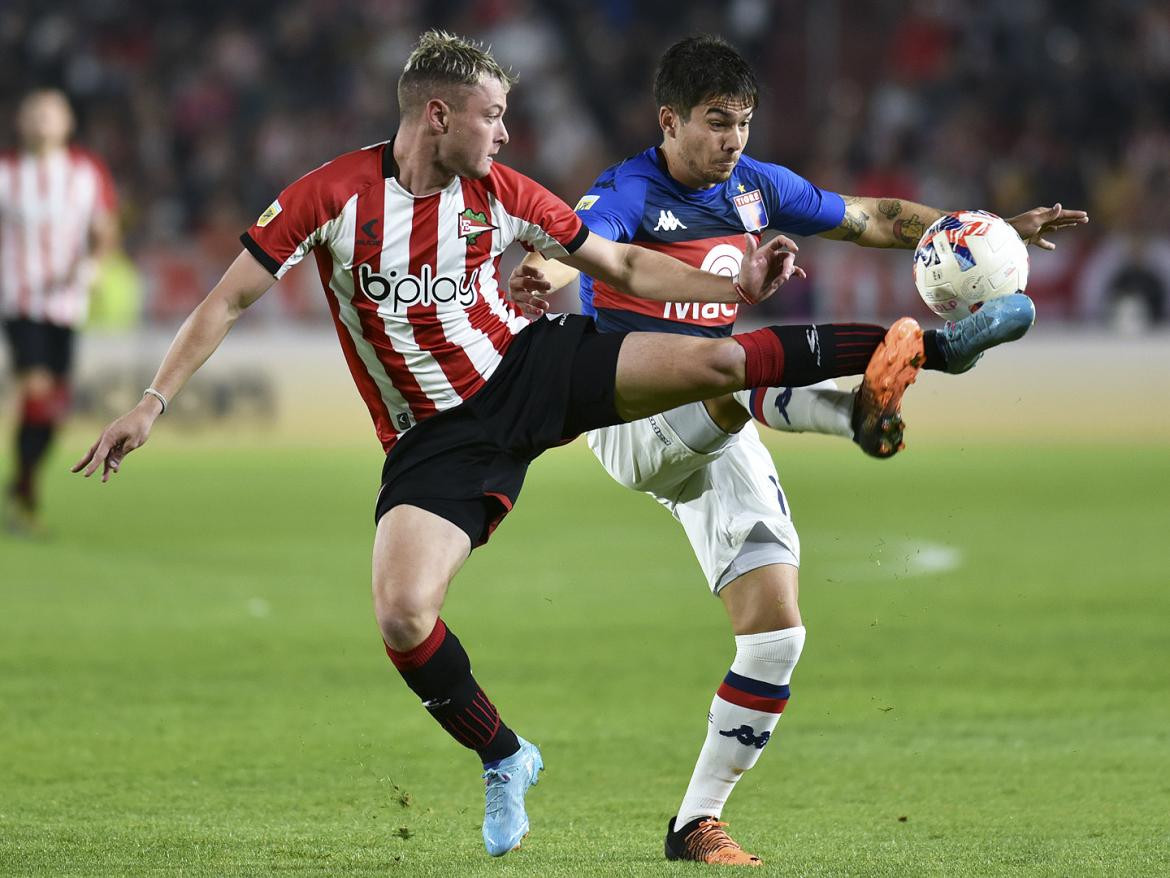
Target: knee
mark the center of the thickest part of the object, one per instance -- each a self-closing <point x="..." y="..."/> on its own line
<point x="404" y="616"/>
<point x="724" y="363"/>
<point x="38" y="386"/>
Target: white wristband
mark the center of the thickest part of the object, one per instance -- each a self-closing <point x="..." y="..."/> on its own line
<point x="150" y="391"/>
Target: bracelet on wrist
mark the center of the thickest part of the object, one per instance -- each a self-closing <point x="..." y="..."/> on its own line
<point x="150" y="391"/>
<point x="743" y="297"/>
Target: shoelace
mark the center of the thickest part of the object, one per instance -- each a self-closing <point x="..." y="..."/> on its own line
<point x="494" y="782"/>
<point x="708" y="838"/>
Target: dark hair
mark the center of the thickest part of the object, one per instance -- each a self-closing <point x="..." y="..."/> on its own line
<point x="441" y="59"/>
<point x="700" y="68"/>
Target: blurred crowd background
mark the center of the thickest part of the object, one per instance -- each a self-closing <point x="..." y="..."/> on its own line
<point x="204" y="111"/>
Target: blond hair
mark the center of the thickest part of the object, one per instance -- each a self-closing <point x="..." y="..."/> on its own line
<point x="444" y="61"/>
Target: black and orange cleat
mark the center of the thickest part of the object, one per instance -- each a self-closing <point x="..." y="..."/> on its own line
<point x="704" y="841"/>
<point x="877" y="418"/>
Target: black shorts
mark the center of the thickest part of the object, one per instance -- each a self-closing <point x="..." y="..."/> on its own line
<point x="467" y="464"/>
<point x="35" y="344"/>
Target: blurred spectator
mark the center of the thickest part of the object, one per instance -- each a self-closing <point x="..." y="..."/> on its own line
<point x="1002" y="105"/>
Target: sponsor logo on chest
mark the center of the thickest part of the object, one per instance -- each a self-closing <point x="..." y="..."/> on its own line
<point x="723" y="259"/>
<point x="402" y="291"/>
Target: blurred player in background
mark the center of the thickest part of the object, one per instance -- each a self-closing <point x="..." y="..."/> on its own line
<point x="693" y="197"/>
<point x="56" y="221"/>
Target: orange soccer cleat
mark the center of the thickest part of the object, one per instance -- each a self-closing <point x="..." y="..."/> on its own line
<point x="877" y="421"/>
<point x="704" y="841"/>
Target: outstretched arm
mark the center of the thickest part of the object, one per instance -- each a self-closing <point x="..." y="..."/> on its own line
<point x="893" y="222"/>
<point x="652" y="275"/>
<point x="245" y="281"/>
<point x="883" y="222"/>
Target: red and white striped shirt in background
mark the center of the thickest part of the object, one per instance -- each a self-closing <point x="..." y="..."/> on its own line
<point x="48" y="204"/>
<point x="413" y="282"/>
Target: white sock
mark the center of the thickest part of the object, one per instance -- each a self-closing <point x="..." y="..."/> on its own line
<point x="743" y="716"/>
<point x="818" y="408"/>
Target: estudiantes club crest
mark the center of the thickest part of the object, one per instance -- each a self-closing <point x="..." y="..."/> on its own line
<point x="472" y="225"/>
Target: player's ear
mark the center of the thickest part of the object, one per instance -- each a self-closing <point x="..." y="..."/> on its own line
<point x="668" y="121"/>
<point x="437" y="115"/>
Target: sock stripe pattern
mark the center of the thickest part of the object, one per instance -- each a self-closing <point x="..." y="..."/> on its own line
<point x="743" y="718"/>
<point x="757" y="404"/>
<point x="421" y="654"/>
<point x="798" y="356"/>
<point x="753" y="694"/>
<point x="438" y="671"/>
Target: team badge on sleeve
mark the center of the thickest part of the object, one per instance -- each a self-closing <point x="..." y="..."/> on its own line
<point x="751" y="210"/>
<point x="269" y="215"/>
<point x="586" y="202"/>
<point x="473" y="224"/>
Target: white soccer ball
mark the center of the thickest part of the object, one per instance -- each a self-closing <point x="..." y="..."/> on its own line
<point x="966" y="258"/>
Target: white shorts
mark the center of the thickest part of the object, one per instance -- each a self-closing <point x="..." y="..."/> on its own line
<point x="728" y="501"/>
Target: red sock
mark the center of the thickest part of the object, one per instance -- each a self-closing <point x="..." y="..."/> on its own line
<point x="763" y="357"/>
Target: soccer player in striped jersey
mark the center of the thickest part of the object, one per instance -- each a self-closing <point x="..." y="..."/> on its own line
<point x="464" y="393"/>
<point x="693" y="197"/>
<point x="56" y="219"/>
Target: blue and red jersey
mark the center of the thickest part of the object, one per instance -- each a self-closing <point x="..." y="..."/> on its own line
<point x="638" y="202"/>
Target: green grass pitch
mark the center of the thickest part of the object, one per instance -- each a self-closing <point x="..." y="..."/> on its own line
<point x="191" y="682"/>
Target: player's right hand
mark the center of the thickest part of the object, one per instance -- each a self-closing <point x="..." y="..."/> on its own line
<point x="116" y="441"/>
<point x="766" y="268"/>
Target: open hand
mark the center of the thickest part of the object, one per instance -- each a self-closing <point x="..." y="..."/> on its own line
<point x="767" y="267"/>
<point x="116" y="441"/>
<point x="1033" y="225"/>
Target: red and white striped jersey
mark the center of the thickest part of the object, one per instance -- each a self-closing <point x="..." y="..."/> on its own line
<point x="413" y="282"/>
<point x="48" y="204"/>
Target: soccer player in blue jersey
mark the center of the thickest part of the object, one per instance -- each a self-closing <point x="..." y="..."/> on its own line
<point x="693" y="197"/>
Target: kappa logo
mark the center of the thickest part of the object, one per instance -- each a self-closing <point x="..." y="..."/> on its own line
<point x="668" y="222"/>
<point x="473" y="224"/>
<point x="747" y="736"/>
<point x="782" y="400"/>
<point x="407" y="289"/>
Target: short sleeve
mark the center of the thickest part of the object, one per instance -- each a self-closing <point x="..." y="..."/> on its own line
<point x="542" y="222"/>
<point x="612" y="208"/>
<point x="287" y="229"/>
<point x="798" y="206"/>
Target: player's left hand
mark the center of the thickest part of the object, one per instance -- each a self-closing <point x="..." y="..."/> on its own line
<point x="768" y="267"/>
<point x="1040" y="221"/>
<point x="527" y="287"/>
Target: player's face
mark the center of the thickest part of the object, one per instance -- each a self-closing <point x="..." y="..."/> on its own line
<point x="476" y="131"/>
<point x="707" y="144"/>
<point x="45" y="120"/>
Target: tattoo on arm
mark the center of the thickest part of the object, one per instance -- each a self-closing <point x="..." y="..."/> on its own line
<point x="855" y="221"/>
<point x="908" y="231"/>
<point x="889" y="207"/>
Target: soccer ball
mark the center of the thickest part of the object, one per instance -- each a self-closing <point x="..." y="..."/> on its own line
<point x="966" y="258"/>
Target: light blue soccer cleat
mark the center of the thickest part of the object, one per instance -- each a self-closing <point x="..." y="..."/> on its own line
<point x="505" y="822"/>
<point x="999" y="320"/>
